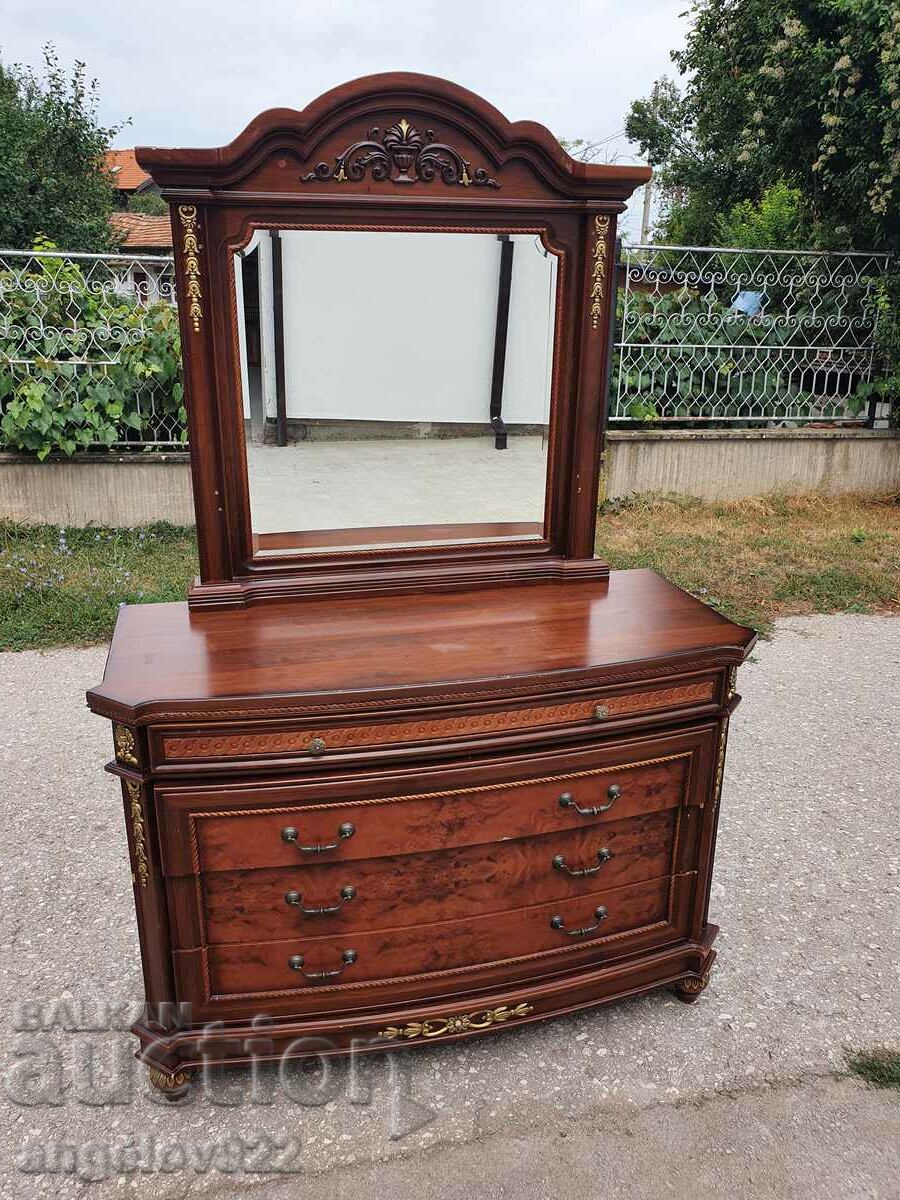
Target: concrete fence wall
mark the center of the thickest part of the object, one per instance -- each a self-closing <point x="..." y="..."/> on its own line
<point x="727" y="464"/>
<point x="89" y="489"/>
<point x="712" y="464"/>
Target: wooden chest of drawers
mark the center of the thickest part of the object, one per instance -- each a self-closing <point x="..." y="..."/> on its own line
<point x="422" y="844"/>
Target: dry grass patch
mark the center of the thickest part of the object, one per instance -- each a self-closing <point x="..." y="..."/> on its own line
<point x="766" y="556"/>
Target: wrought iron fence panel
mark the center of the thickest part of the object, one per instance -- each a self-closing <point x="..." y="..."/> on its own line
<point x="722" y="334"/>
<point x="90" y="344"/>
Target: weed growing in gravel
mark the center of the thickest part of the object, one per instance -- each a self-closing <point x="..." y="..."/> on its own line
<point x="880" y="1068"/>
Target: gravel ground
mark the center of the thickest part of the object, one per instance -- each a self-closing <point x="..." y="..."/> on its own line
<point x="806" y="892"/>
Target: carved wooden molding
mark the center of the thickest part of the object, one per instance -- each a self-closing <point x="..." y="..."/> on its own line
<point x="403" y="155"/>
<point x="347" y="737"/>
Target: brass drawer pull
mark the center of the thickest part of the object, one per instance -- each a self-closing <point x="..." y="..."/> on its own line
<point x="347" y="893"/>
<point x="559" y="923"/>
<point x="348" y="958"/>
<point x="560" y="864"/>
<point x="567" y="800"/>
<point x="290" y="835"/>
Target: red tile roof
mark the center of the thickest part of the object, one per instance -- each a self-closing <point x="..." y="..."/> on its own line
<point x="141" y="231"/>
<point x="127" y="175"/>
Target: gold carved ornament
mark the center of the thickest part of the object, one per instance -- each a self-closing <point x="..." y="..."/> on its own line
<point x="123" y="740"/>
<point x="442" y="1026"/>
<point x="693" y="985"/>
<point x="720" y="763"/>
<point x="190" y="245"/>
<point x="138" y="833"/>
<point x="598" y="269"/>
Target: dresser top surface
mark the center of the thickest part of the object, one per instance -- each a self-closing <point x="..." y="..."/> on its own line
<point x="379" y="645"/>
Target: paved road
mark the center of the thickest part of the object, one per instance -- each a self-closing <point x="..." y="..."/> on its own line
<point x="635" y="1100"/>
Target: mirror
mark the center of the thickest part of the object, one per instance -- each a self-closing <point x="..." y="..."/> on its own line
<point x="396" y="387"/>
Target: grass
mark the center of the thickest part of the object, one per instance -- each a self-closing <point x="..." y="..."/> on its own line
<point x="754" y="560"/>
<point x="63" y="587"/>
<point x="880" y="1068"/>
<point x="767" y="556"/>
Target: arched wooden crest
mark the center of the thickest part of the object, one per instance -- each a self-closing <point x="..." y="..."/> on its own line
<point x="393" y="151"/>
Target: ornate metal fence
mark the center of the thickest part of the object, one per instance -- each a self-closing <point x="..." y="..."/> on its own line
<point x="713" y="334"/>
<point x="89" y="351"/>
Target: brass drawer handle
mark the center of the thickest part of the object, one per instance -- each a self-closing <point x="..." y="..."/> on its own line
<point x="559" y="923"/>
<point x="348" y="958"/>
<point x="290" y="835"/>
<point x="560" y="864"/>
<point x="347" y="893"/>
<point x="567" y="800"/>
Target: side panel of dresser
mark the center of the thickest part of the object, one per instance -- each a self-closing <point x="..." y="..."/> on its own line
<point x="150" y="899"/>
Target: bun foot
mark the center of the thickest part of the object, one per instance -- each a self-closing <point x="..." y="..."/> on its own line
<point x="173" y="1085"/>
<point x="688" y="989"/>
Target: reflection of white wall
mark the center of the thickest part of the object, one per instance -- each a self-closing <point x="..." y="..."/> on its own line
<point x="400" y="326"/>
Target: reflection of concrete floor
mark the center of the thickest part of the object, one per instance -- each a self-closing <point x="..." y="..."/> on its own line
<point x="341" y="484"/>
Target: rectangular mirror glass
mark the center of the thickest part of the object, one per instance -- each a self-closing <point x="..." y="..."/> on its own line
<point x="380" y="373"/>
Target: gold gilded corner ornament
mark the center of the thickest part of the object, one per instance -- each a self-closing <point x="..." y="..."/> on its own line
<point x="598" y="269"/>
<point x="126" y="750"/>
<point x="442" y="1026"/>
<point x="693" y="985"/>
<point x="720" y="763"/>
<point x="190" y="245"/>
<point x="731" y="687"/>
<point x="165" y="1082"/>
<point x="138" y="833"/>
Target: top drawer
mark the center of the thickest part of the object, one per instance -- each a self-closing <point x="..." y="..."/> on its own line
<point x="184" y="748"/>
<point x="289" y="824"/>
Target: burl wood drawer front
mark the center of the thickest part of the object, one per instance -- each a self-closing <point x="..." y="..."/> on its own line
<point x="314" y="738"/>
<point x="416" y="949"/>
<point x="298" y="836"/>
<point x="379" y="893"/>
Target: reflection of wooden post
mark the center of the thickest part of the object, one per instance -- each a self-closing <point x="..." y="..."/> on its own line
<point x="502" y="328"/>
<point x="278" y="309"/>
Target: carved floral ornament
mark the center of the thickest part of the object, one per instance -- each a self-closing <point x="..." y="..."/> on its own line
<point x="403" y="155"/>
<point x="190" y="246"/>
<point x="462" y="1023"/>
<point x="598" y="269"/>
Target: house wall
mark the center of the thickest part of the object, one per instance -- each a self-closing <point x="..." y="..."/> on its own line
<point x="400" y="327"/>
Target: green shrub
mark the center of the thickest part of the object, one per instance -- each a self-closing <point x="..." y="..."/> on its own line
<point x="94" y="367"/>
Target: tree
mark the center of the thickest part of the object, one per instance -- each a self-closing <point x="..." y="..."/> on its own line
<point x="150" y="203"/>
<point x="774" y="222"/>
<point x="53" y="180"/>
<point x="800" y="93"/>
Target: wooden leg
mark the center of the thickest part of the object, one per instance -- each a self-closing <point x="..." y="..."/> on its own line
<point x="688" y="989"/>
<point x="172" y="1085"/>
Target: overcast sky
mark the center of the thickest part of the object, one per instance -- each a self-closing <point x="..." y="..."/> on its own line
<point x="193" y="73"/>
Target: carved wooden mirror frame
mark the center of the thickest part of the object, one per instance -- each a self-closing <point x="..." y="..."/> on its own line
<point x="392" y="152"/>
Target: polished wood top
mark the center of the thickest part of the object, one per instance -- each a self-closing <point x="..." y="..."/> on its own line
<point x="406" y="646"/>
